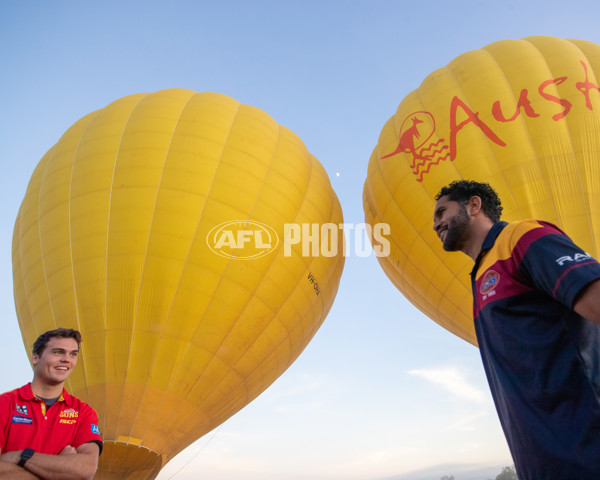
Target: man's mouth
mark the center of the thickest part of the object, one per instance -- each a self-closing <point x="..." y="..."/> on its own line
<point x="442" y="233"/>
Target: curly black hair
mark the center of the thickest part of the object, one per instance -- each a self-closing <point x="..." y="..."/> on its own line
<point x="44" y="338"/>
<point x="461" y="191"/>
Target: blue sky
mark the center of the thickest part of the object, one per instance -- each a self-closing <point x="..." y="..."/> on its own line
<point x="381" y="390"/>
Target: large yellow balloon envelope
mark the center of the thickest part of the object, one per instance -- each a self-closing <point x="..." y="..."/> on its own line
<point x="157" y="227"/>
<point x="522" y="115"/>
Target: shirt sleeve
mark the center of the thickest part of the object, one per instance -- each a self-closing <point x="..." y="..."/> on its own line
<point x="88" y="430"/>
<point x="552" y="262"/>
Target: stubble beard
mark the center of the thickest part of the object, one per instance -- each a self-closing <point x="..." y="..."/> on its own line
<point x="457" y="232"/>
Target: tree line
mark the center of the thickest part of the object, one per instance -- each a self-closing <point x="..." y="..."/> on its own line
<point x="507" y="473"/>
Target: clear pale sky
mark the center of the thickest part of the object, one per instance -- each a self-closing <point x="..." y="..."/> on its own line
<point x="382" y="392"/>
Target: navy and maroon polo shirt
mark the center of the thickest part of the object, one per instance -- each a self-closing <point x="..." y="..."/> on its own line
<point x="542" y="359"/>
<point x="25" y="422"/>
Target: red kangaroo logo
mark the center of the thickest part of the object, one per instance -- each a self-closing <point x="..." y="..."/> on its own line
<point x="411" y="142"/>
<point x="407" y="139"/>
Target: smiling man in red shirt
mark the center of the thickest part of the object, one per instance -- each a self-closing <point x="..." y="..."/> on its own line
<point x="46" y="433"/>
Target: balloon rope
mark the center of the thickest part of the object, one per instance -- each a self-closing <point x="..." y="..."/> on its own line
<point x="197" y="453"/>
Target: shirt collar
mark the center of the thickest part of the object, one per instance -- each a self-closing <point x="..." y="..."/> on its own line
<point x="27" y="394"/>
<point x="488" y="242"/>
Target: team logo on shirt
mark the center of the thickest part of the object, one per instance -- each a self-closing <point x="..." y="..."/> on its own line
<point x="68" y="416"/>
<point x="489" y="283"/>
<point x="22" y="409"/>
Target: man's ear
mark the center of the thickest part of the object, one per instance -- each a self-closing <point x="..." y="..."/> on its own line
<point x="474" y="205"/>
<point x="34" y="359"/>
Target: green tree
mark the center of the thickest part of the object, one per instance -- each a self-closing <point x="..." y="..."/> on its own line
<point x="507" y="473"/>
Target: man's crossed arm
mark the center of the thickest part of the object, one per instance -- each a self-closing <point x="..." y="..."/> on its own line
<point x="70" y="464"/>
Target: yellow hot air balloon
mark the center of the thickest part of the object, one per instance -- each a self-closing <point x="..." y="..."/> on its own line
<point x="522" y="115"/>
<point x="157" y="227"/>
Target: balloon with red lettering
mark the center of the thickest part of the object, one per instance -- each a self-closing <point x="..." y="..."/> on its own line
<point x="166" y="228"/>
<point x="522" y="115"/>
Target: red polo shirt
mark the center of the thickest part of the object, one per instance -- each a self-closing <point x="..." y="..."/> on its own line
<point x="25" y="422"/>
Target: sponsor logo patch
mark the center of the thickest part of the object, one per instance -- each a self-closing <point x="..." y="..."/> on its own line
<point x="578" y="257"/>
<point x="95" y="429"/>
<point x="17" y="419"/>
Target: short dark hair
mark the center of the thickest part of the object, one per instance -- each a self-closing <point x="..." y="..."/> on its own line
<point x="44" y="338"/>
<point x="462" y="191"/>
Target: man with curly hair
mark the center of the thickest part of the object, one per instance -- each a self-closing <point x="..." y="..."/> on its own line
<point x="537" y="319"/>
<point x="45" y="432"/>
